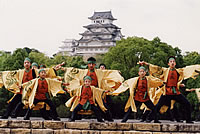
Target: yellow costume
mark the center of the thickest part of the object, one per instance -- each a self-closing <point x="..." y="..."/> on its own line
<point x="131" y="84"/>
<point x="162" y="73"/>
<point x="13" y="79"/>
<point x="107" y="79"/>
<point x="76" y="93"/>
<point x="30" y="88"/>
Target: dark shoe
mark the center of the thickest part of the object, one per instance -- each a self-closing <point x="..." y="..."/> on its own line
<point x="26" y="118"/>
<point x="123" y="120"/>
<point x="56" y="119"/>
<point x="4" y="117"/>
<point x="71" y="120"/>
<point x="100" y="120"/>
<point x="189" y="122"/>
<point x="110" y="120"/>
<point x="13" y="116"/>
<point x="157" y="121"/>
<point x="148" y="120"/>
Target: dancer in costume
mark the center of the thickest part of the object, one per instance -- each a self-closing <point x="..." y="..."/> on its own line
<point x="40" y="90"/>
<point x="86" y="97"/>
<point x="103" y="79"/>
<point x="13" y="80"/>
<point x="173" y="78"/>
<point x="139" y="92"/>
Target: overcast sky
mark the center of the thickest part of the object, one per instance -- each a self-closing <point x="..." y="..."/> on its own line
<point x="44" y="24"/>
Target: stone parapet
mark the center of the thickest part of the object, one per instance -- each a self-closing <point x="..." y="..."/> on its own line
<point x="93" y="127"/>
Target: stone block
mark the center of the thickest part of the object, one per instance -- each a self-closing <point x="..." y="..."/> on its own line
<point x="20" y="131"/>
<point x="4" y="130"/>
<point x="77" y="125"/>
<point x="67" y="131"/>
<point x="170" y="127"/>
<point x="41" y="131"/>
<point x="124" y="126"/>
<point x="3" y="123"/>
<point x="37" y="124"/>
<point x="54" y="124"/>
<point x="19" y="124"/>
<point x="189" y="128"/>
<point x="90" y="132"/>
<point x="111" y="132"/>
<point x="147" y="126"/>
<point x="161" y="133"/>
<point x="137" y="132"/>
<point x="103" y="126"/>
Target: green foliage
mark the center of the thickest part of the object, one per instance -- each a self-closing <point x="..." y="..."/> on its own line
<point x="128" y="52"/>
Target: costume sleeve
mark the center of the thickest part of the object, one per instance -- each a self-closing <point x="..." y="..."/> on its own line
<point x="128" y="84"/>
<point x="98" y="96"/>
<point x="156" y="71"/>
<point x="74" y="77"/>
<point x="10" y="80"/>
<point x="191" y="71"/>
<point x="28" y="94"/>
<point x="112" y="79"/>
<point x="154" y="82"/>
<point x="55" y="86"/>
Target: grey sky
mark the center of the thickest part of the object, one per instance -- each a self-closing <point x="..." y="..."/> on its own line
<point x="44" y="24"/>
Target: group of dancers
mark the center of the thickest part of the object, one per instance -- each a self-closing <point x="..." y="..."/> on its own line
<point x="91" y="88"/>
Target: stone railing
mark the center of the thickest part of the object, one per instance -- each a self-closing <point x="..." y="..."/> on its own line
<point x="92" y="127"/>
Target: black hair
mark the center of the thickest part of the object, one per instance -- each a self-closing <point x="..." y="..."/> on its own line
<point x="91" y="59"/>
<point x="102" y="64"/>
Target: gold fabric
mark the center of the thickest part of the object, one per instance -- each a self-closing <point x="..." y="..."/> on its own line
<point x="107" y="79"/>
<point x="162" y="73"/>
<point x="76" y="94"/>
<point x="13" y="79"/>
<point x="184" y="73"/>
<point x="30" y="88"/>
<point x="131" y="84"/>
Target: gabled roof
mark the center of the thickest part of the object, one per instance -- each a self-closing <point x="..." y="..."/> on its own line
<point x="110" y="25"/>
<point x="102" y="15"/>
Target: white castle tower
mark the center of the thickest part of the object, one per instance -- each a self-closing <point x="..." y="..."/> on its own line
<point x="98" y="37"/>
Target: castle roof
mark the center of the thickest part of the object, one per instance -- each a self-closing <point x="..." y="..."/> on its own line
<point x="102" y="15"/>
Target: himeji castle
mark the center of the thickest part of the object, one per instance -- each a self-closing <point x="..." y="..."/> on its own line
<point x="98" y="37"/>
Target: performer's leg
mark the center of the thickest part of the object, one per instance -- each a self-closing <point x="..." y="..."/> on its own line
<point x="29" y="111"/>
<point x="125" y="118"/>
<point x="186" y="104"/>
<point x="17" y="110"/>
<point x="108" y="114"/>
<point x="145" y="115"/>
<point x="11" y="105"/>
<point x="97" y="113"/>
<point x="75" y="111"/>
<point x="45" y="113"/>
<point x="52" y="109"/>
<point x="163" y="100"/>
<point x="151" y="106"/>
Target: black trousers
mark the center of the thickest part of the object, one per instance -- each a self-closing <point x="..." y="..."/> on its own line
<point x="49" y="102"/>
<point x="166" y="99"/>
<point x="149" y="104"/>
<point x="93" y="108"/>
<point x="13" y="104"/>
<point x="107" y="115"/>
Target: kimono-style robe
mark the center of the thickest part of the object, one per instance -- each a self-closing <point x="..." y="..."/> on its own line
<point x="76" y="94"/>
<point x="131" y="84"/>
<point x="162" y="73"/>
<point x="30" y="89"/>
<point x="107" y="79"/>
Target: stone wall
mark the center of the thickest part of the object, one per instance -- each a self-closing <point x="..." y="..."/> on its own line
<point x="64" y="127"/>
